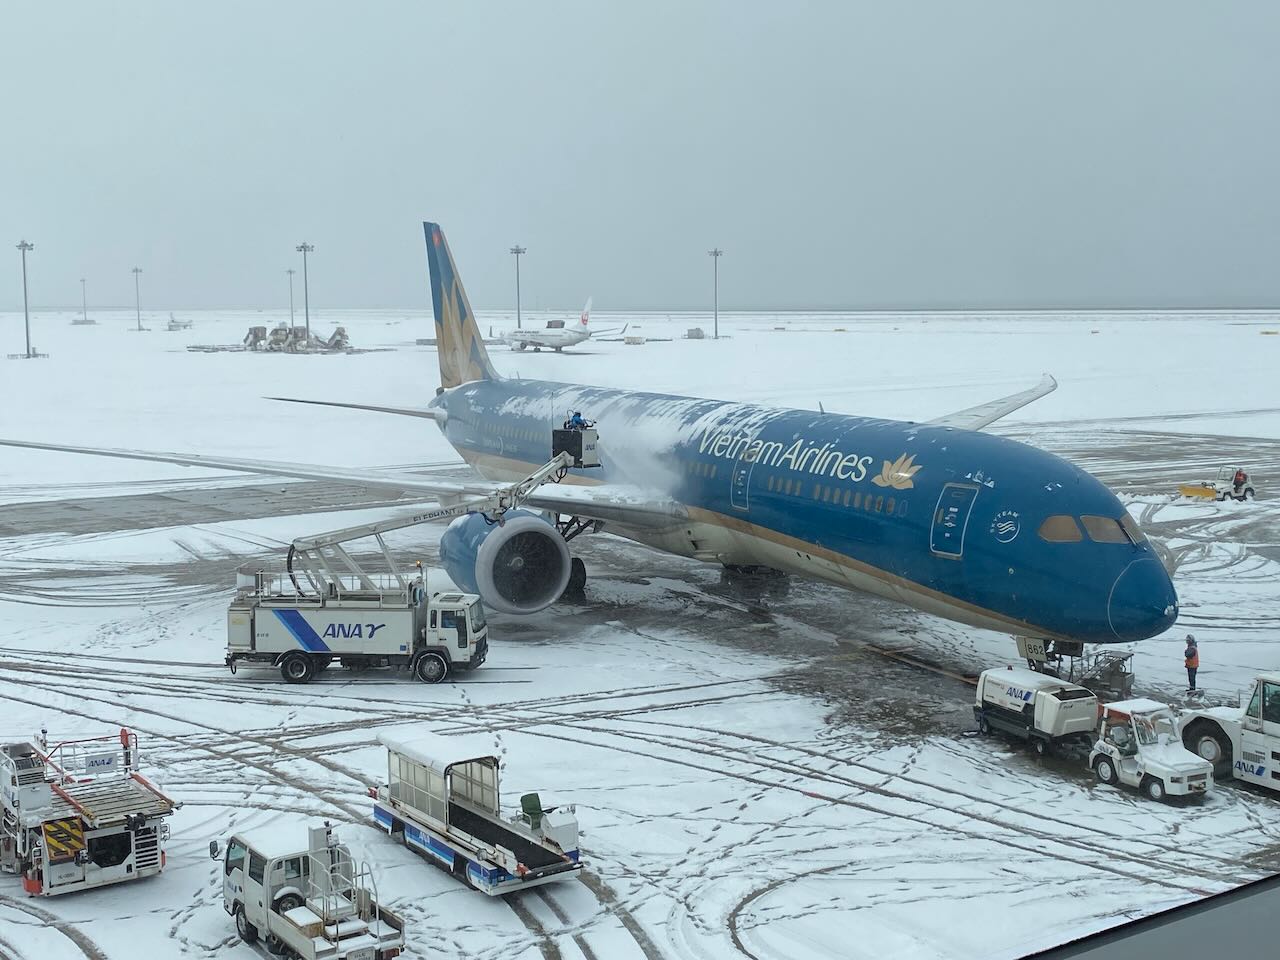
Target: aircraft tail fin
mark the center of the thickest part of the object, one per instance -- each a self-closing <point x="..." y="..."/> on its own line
<point x="586" y="313"/>
<point x="459" y="344"/>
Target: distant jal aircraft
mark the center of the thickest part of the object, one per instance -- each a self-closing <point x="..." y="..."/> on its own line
<point x="554" y="336"/>
<point x="938" y="516"/>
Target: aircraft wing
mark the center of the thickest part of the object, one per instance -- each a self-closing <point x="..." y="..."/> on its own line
<point x="427" y="413"/>
<point x="975" y="418"/>
<point x="613" y="503"/>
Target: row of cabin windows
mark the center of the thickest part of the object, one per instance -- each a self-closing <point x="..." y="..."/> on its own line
<point x="1065" y="529"/>
<point x="836" y="496"/>
<point x="511" y="431"/>
<point x="697" y="469"/>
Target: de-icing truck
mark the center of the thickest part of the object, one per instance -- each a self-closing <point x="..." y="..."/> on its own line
<point x="362" y="622"/>
<point x="1042" y="709"/>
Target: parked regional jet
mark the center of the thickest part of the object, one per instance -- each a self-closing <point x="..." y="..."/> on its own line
<point x="937" y="515"/>
<point x="554" y="336"/>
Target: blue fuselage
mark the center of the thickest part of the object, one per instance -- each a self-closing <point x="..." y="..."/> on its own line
<point x="964" y="524"/>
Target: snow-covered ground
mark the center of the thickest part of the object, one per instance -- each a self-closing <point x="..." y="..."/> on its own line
<point x="751" y="780"/>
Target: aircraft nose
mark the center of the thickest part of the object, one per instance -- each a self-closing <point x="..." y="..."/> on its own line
<point x="1143" y="602"/>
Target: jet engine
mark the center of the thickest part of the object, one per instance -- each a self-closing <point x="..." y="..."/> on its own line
<point x="517" y="566"/>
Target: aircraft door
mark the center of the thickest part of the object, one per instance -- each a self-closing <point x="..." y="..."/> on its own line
<point x="740" y="477"/>
<point x="950" y="518"/>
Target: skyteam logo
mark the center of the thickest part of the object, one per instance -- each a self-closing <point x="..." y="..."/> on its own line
<point x="1006" y="526"/>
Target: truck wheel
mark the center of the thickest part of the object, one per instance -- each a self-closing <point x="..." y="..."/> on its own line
<point x="1041" y="747"/>
<point x="984" y="727"/>
<point x="297" y="667"/>
<point x="246" y="930"/>
<point x="1208" y="742"/>
<point x="1248" y="493"/>
<point x="1153" y="787"/>
<point x="1105" y="771"/>
<point x="290" y="901"/>
<point x="431" y="668"/>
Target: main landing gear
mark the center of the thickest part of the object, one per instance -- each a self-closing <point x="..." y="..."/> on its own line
<point x="569" y="528"/>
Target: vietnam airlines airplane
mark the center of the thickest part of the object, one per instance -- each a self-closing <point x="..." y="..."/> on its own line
<point x="554" y="336"/>
<point x="938" y="516"/>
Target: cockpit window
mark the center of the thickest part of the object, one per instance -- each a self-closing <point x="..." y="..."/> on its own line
<point x="1132" y="530"/>
<point x="1060" y="529"/>
<point x="1104" y="530"/>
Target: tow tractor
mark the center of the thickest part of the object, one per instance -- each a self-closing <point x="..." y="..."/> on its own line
<point x="1231" y="482"/>
<point x="305" y="896"/>
<point x="79" y="815"/>
<point x="441" y="799"/>
<point x="1243" y="742"/>
<point x="1138" y="746"/>
<point x="324" y="606"/>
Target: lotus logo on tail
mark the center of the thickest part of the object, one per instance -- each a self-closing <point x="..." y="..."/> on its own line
<point x="897" y="474"/>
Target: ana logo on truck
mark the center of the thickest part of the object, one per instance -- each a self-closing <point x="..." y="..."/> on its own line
<point x="1252" y="769"/>
<point x="1016" y="694"/>
<point x="352" y="631"/>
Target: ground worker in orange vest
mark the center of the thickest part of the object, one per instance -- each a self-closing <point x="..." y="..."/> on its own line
<point x="1192" y="657"/>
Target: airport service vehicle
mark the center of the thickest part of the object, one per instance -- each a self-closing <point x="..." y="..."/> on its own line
<point x="364" y="622"/>
<point x="301" y="892"/>
<point x="441" y="799"/>
<point x="1243" y="742"/>
<point x="1039" y="708"/>
<point x="79" y="815"/>
<point x="1222" y="487"/>
<point x="936" y="515"/>
<point x="1138" y="746"/>
<point x="311" y="614"/>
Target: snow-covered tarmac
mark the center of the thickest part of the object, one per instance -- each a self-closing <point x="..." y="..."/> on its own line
<point x="752" y="779"/>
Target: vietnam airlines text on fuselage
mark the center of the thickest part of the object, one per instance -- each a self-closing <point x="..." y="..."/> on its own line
<point x="972" y="526"/>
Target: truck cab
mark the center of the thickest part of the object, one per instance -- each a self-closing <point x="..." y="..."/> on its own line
<point x="1243" y="741"/>
<point x="1138" y="746"/>
<point x="456" y="622"/>
<point x="301" y="891"/>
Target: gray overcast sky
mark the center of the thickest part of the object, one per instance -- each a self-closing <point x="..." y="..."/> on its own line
<point x="892" y="154"/>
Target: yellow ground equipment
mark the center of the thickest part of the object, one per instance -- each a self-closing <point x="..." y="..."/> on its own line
<point x="1224" y="486"/>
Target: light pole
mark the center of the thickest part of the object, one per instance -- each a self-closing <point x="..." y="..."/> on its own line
<point x="304" y="249"/>
<point x="137" y="297"/>
<point x="84" y="302"/>
<point x="291" y="272"/>
<point x="26" y="313"/>
<point x="715" y="256"/>
<point x="516" y="251"/>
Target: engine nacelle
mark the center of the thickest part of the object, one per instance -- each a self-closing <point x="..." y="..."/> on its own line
<point x="518" y="566"/>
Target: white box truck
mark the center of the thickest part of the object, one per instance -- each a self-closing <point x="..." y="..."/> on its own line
<point x="1042" y="709"/>
<point x="362" y="622"/>
<point x="1242" y="742"/>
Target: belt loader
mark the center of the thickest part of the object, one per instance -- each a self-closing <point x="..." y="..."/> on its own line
<point x="79" y="815"/>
